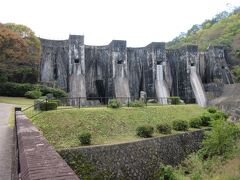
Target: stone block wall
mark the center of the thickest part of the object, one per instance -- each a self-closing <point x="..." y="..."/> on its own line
<point x="37" y="158"/>
<point x="133" y="160"/>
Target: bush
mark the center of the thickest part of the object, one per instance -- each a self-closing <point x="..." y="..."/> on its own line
<point x="206" y="119"/>
<point x="174" y="100"/>
<point x="19" y="90"/>
<point x="137" y="103"/>
<point x="114" y="103"/>
<point x="33" y="94"/>
<point x="166" y="173"/>
<point x="219" y="115"/>
<point x="212" y="110"/>
<point x="164" y="128"/>
<point x="85" y="138"/>
<point x="57" y="93"/>
<point x="180" y="125"/>
<point x="37" y="103"/>
<point x="45" y="106"/>
<point x="195" y="122"/>
<point x="15" y="89"/>
<point x="220" y="140"/>
<point x="56" y="101"/>
<point x="145" y="131"/>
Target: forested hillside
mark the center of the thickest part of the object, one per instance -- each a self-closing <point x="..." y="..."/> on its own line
<point x="223" y="29"/>
<point x="19" y="54"/>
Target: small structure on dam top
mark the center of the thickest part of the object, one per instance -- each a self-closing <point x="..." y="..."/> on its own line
<point x="116" y="70"/>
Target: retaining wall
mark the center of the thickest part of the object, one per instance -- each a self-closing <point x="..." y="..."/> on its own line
<point x="37" y="158"/>
<point x="134" y="160"/>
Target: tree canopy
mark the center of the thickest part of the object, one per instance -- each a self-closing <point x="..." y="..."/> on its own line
<point x="19" y="53"/>
<point x="12" y="46"/>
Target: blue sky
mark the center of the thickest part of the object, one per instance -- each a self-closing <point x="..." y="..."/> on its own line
<point x="100" y="21"/>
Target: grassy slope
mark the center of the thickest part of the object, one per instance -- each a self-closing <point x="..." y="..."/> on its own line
<point x="106" y="125"/>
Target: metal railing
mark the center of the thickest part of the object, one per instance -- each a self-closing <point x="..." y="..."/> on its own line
<point x="80" y="102"/>
<point x="103" y="101"/>
<point x="34" y="109"/>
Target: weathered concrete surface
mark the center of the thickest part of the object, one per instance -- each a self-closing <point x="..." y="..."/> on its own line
<point x="6" y="142"/>
<point x="230" y="98"/>
<point x="116" y="70"/>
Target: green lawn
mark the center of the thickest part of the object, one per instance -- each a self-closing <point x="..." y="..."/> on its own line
<point x="17" y="100"/>
<point x="107" y="125"/>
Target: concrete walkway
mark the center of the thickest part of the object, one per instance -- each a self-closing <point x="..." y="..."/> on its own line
<point x="6" y="142"/>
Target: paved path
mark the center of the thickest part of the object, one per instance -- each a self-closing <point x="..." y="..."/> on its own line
<point x="6" y="142"/>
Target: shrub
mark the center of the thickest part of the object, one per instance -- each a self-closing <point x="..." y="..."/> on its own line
<point x="220" y="140"/>
<point x="85" y="138"/>
<point x="174" y="100"/>
<point x="57" y="93"/>
<point x="180" y="125"/>
<point x="56" y="101"/>
<point x="219" y="115"/>
<point x="206" y="119"/>
<point x="19" y="90"/>
<point x="15" y="89"/>
<point x="212" y="110"/>
<point x="114" y="103"/>
<point x="137" y="103"/>
<point x="166" y="173"/>
<point x="164" y="128"/>
<point x="45" y="106"/>
<point x="33" y="94"/>
<point x="145" y="131"/>
<point x="37" y="103"/>
<point x="195" y="122"/>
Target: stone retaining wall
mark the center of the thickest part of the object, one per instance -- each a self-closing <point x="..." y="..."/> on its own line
<point x="134" y="160"/>
<point x="38" y="159"/>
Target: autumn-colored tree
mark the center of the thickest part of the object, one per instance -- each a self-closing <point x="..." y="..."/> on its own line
<point x="12" y="46"/>
<point x="33" y="43"/>
<point x="19" y="53"/>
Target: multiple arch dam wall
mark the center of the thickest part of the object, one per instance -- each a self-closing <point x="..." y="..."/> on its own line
<point x="116" y="70"/>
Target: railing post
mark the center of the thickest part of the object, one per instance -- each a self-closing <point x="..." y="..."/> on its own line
<point x="79" y="102"/>
<point x="46" y="105"/>
<point x="128" y="101"/>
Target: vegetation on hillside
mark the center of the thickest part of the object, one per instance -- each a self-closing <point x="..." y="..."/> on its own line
<point x="19" y="54"/>
<point x="223" y="29"/>
<point x="219" y="157"/>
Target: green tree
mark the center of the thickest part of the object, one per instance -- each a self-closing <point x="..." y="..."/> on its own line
<point x="220" y="140"/>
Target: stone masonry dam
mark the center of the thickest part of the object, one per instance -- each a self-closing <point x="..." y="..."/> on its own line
<point x="116" y="70"/>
